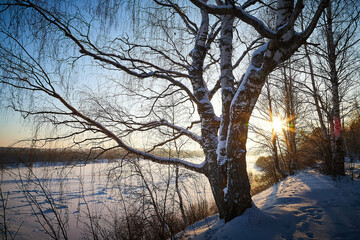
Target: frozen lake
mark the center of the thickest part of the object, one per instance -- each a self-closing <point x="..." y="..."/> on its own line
<point x="67" y="196"/>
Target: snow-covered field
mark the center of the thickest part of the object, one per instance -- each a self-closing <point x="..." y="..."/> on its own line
<point x="75" y="191"/>
<point x="31" y="193"/>
<point x="307" y="205"/>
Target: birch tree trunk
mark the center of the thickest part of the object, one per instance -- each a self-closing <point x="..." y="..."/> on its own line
<point x="209" y="122"/>
<point x="336" y="130"/>
<point x="263" y="61"/>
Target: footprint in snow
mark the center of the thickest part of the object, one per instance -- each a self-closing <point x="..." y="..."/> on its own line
<point x="313" y="213"/>
<point x="310" y="235"/>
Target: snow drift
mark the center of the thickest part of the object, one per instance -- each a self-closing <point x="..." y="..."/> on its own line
<point x="307" y="205"/>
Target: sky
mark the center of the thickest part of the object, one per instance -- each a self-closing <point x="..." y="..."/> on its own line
<point x="12" y="128"/>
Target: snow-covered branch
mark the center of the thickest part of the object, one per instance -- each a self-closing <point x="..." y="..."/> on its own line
<point x="181" y="130"/>
<point x="239" y="13"/>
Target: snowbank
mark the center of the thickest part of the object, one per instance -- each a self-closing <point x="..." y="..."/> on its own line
<point x="307" y="205"/>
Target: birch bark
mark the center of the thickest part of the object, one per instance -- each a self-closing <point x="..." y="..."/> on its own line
<point x="209" y="121"/>
<point x="264" y="60"/>
<point x="336" y="138"/>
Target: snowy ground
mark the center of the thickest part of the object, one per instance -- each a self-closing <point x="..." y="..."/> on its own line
<point x="75" y="191"/>
<point x="307" y="205"/>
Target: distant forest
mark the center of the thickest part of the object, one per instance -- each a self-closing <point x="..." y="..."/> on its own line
<point x="29" y="156"/>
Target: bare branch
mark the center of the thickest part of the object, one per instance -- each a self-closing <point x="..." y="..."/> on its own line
<point x="247" y="50"/>
<point x="310" y="28"/>
<point x="189" y="24"/>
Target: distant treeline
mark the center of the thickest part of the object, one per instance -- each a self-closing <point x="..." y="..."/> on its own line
<point x="28" y="156"/>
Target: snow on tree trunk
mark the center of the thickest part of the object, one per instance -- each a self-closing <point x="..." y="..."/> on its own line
<point x="264" y="60"/>
<point x="209" y="122"/>
<point x="284" y="9"/>
<point x="237" y="191"/>
<point x="227" y="92"/>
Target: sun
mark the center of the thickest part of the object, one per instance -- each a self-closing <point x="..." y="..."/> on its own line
<point x="277" y="124"/>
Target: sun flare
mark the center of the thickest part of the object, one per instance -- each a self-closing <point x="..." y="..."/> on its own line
<point x="277" y="124"/>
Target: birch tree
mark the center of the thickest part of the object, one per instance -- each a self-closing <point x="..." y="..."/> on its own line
<point x="159" y="60"/>
<point x="333" y="73"/>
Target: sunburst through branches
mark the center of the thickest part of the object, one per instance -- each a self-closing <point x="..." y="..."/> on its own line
<point x="277" y="124"/>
